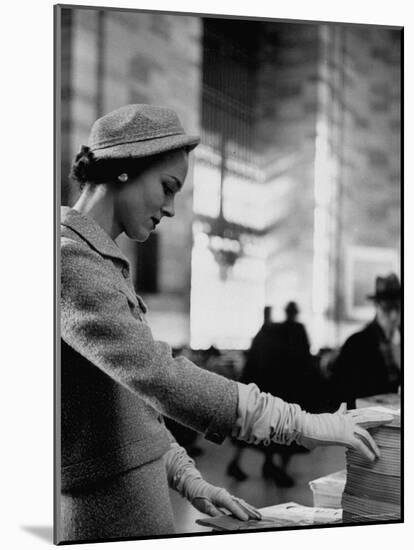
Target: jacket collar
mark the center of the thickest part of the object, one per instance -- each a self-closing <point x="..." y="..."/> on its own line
<point x="91" y="232"/>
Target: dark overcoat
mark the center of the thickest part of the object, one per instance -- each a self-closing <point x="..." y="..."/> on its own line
<point x="365" y="366"/>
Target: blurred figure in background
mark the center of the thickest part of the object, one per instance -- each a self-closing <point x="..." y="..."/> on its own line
<point x="293" y="333"/>
<point x="369" y="362"/>
<point x="278" y="359"/>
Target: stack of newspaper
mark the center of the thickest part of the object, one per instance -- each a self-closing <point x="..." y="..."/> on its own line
<point x="373" y="489"/>
<point x="327" y="490"/>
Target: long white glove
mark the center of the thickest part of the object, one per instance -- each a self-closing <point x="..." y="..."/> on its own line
<point x="263" y="418"/>
<point x="184" y="477"/>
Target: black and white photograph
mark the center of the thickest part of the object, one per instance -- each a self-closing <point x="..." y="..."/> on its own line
<point x="229" y="274"/>
<point x="205" y="294"/>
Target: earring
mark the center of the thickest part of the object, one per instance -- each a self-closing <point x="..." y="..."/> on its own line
<point x="123" y="177"/>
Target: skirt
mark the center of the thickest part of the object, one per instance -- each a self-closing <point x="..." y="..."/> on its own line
<point x="133" y="504"/>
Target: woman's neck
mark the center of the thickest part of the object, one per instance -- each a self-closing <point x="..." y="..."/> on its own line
<point x="97" y="203"/>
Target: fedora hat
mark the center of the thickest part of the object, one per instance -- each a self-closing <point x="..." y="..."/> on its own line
<point x="387" y="288"/>
<point x="138" y="130"/>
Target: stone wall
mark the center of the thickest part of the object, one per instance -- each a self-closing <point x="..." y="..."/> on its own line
<point x="372" y="149"/>
<point x="328" y="122"/>
<point x="362" y="84"/>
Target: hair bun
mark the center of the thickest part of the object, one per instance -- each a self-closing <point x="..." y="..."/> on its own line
<point x="82" y="164"/>
<point x="85" y="149"/>
<point x="85" y="153"/>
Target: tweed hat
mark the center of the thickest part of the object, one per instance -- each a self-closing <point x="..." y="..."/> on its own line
<point x="387" y="288"/>
<point x="138" y="130"/>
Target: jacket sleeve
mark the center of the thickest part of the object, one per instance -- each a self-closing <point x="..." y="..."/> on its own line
<point x="97" y="321"/>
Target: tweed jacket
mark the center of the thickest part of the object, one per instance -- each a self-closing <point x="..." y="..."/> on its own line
<point x="116" y="380"/>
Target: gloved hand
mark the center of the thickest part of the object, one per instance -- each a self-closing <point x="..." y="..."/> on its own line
<point x="340" y="428"/>
<point x="211" y="500"/>
<point x="184" y="477"/>
<point x="367" y="417"/>
<point x="263" y="418"/>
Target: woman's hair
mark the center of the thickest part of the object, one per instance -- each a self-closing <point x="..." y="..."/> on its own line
<point x="88" y="169"/>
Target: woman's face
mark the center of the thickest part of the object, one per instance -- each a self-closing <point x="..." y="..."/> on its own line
<point x="142" y="202"/>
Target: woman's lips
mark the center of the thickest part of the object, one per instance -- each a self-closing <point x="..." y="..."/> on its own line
<point x="155" y="222"/>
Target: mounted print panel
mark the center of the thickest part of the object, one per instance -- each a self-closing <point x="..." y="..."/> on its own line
<point x="229" y="197"/>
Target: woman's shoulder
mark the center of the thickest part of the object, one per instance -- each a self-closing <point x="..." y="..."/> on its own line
<point x="69" y="237"/>
<point x="72" y="244"/>
<point x="79" y="261"/>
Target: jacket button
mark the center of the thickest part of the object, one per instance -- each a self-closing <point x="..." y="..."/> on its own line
<point x="125" y="272"/>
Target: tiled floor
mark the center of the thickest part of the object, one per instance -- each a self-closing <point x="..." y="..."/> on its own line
<point x="255" y="490"/>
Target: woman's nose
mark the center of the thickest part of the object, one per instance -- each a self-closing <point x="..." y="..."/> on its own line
<point x="168" y="209"/>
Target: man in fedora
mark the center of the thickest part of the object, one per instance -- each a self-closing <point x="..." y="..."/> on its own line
<point x="369" y="361"/>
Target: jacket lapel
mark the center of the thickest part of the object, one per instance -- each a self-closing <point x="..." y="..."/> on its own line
<point x="92" y="233"/>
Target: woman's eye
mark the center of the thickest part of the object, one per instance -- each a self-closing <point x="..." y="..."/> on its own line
<point x="167" y="189"/>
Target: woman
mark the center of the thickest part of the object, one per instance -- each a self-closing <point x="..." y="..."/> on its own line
<point x="117" y="457"/>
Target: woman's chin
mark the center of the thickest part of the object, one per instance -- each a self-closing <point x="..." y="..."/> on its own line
<point x="139" y="236"/>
